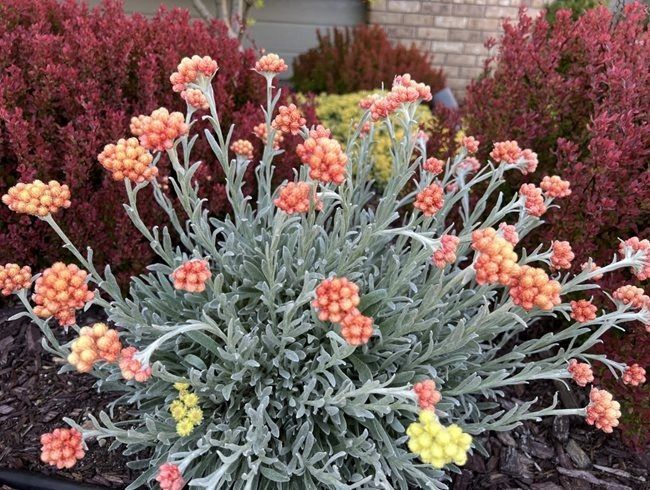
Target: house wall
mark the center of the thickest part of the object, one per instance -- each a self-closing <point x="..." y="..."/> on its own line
<point x="453" y="31"/>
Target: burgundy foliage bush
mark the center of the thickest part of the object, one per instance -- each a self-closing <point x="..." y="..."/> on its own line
<point x="350" y="60"/>
<point x="70" y="80"/>
<point x="578" y="93"/>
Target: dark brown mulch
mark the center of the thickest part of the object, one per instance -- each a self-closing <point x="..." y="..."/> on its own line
<point x="555" y="454"/>
<point x="33" y="400"/>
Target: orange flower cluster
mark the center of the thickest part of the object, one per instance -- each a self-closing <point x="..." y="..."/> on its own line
<point x="170" y="477"/>
<point x="192" y="275"/>
<point x="94" y="344"/>
<point x="636" y="245"/>
<point x="324" y="156"/>
<point x="591" y="266"/>
<point x="434" y="166"/>
<point x="13" y="278"/>
<point x="405" y="90"/>
<point x="428" y="396"/>
<point x="561" y="255"/>
<point x="289" y="119"/>
<point x="583" y="310"/>
<point x="191" y="70"/>
<point x="632" y="296"/>
<point x="335" y="298"/>
<point x="128" y="160"/>
<point x="37" y="198"/>
<point x="430" y="199"/>
<point x="532" y="288"/>
<point x="634" y="375"/>
<point x="506" y="152"/>
<point x="61" y="290"/>
<point x="158" y="131"/>
<point x="195" y="98"/>
<point x="554" y="186"/>
<point x="297" y="197"/>
<point x="62" y="448"/>
<point x="534" y="201"/>
<point x="132" y="368"/>
<point x="470" y="144"/>
<point x="581" y="372"/>
<point x="496" y="262"/>
<point x="270" y="64"/>
<point x="261" y="132"/>
<point x="446" y="254"/>
<point x="243" y="148"/>
<point x="509" y="232"/>
<point x="603" y="411"/>
<point x="356" y="328"/>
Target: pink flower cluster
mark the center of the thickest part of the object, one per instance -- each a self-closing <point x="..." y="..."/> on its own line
<point x="270" y="64"/>
<point x="169" y="477"/>
<point x="191" y="70"/>
<point x="242" y="148"/>
<point x="506" y="152"/>
<point x="405" y="90"/>
<point x="636" y="245"/>
<point x="632" y="296"/>
<point x="191" y="276"/>
<point x="591" y="266"/>
<point x="158" y="131"/>
<point x="581" y="372"/>
<point x="297" y="197"/>
<point x="509" y="232"/>
<point x="561" y="255"/>
<point x="554" y="186"/>
<point x="324" y="156"/>
<point x="446" y="254"/>
<point x="634" y="375"/>
<point x="603" y="411"/>
<point x="427" y="395"/>
<point x="470" y="164"/>
<point x="289" y="119"/>
<point x="430" y="199"/>
<point x="583" y="310"/>
<point x="131" y="368"/>
<point x="62" y="448"/>
<point x="433" y="165"/>
<point x="262" y="133"/>
<point x="533" y="199"/>
<point x="470" y="144"/>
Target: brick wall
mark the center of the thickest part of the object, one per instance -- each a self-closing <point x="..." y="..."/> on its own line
<point x="452" y="30"/>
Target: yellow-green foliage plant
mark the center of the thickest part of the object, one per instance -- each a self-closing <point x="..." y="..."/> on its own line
<point x="325" y="334"/>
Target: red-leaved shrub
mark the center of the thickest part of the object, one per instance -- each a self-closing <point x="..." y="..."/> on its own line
<point x="362" y="58"/>
<point x="70" y="80"/>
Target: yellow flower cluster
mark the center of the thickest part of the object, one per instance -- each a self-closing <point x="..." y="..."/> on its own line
<point x="185" y="410"/>
<point x="436" y="444"/>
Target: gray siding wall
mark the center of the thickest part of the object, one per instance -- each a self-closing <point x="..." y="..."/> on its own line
<point x="286" y="27"/>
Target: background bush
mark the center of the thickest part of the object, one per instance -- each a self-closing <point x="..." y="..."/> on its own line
<point x="362" y="58"/>
<point x="70" y="79"/>
<point x="578" y="93"/>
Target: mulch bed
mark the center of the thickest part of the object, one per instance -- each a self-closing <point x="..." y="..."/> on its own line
<point x="554" y="454"/>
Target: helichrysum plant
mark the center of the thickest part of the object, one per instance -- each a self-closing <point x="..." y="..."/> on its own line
<point x="324" y="334"/>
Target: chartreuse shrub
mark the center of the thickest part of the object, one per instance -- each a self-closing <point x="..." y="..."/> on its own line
<point x="327" y="335"/>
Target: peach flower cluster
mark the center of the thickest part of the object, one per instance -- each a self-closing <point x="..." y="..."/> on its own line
<point x="581" y="372"/>
<point x="470" y="144"/>
<point x="470" y="164"/>
<point x="62" y="448"/>
<point x="158" y="131"/>
<point x="446" y="254"/>
<point x="131" y="368"/>
<point x="297" y="197"/>
<point x="603" y="411"/>
<point x="532" y="288"/>
<point x="61" y="290"/>
<point x="506" y="152"/>
<point x="191" y="70"/>
<point x="289" y="119"/>
<point x="195" y="98"/>
<point x="634" y="375"/>
<point x="336" y="301"/>
<point x="428" y="396"/>
<point x="497" y="261"/>
<point x="632" y="296"/>
<point x="636" y="245"/>
<point x="13" y="278"/>
<point x="561" y="254"/>
<point x="405" y="90"/>
<point x="242" y="148"/>
<point x="583" y="310"/>
<point x="591" y="266"/>
<point x="509" y="232"/>
<point x="169" y="477"/>
<point x="270" y="64"/>
<point x="94" y="344"/>
<point x="261" y="132"/>
<point x="529" y="162"/>
<point x="324" y="156"/>
<point x="37" y="198"/>
<point x="433" y="165"/>
<point x="191" y="276"/>
<point x="533" y="199"/>
<point x="554" y="186"/>
<point x="126" y="159"/>
<point x="430" y="199"/>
